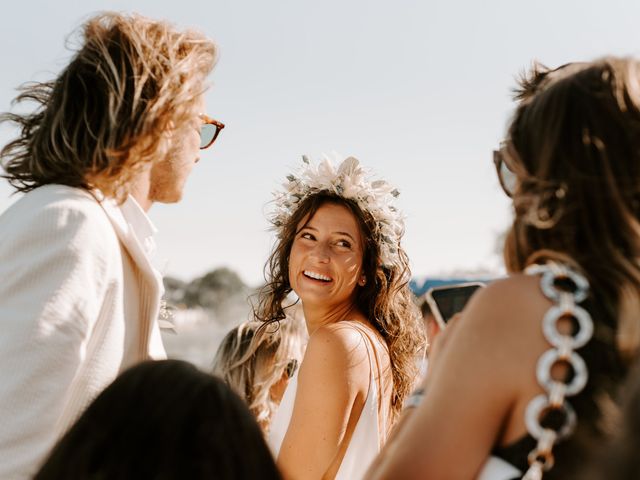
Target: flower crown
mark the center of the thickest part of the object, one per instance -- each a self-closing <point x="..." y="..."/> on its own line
<point x="348" y="180"/>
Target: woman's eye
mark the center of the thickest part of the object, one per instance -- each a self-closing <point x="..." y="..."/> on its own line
<point x="307" y="235"/>
<point x="343" y="243"/>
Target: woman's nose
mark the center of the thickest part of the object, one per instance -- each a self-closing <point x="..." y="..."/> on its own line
<point x="321" y="252"/>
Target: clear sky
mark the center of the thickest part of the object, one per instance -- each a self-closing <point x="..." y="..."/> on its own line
<point x="417" y="90"/>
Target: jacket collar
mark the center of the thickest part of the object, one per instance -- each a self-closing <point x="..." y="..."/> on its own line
<point x="121" y="219"/>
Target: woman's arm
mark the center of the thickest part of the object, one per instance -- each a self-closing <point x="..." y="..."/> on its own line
<point x="332" y="384"/>
<point x="486" y="364"/>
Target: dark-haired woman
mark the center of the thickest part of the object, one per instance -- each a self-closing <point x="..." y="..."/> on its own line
<point x="339" y="251"/>
<point x="525" y="381"/>
<point x="163" y="420"/>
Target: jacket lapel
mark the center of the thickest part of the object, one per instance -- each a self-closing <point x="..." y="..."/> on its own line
<point x="130" y="241"/>
<point x="153" y="288"/>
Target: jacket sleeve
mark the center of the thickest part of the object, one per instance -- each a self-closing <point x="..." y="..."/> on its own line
<point x="54" y="266"/>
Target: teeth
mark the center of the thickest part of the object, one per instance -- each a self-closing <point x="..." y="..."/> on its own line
<point x="317" y="276"/>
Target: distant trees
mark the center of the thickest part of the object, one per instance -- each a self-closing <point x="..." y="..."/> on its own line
<point x="214" y="288"/>
<point x="216" y="291"/>
<point x="174" y="290"/>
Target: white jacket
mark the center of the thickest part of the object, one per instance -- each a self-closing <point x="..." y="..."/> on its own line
<point x="79" y="303"/>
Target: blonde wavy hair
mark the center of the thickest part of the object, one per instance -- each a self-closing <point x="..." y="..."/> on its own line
<point x="132" y="81"/>
<point x="252" y="362"/>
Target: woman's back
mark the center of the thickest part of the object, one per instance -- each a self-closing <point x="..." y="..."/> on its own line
<point x="528" y="308"/>
<point x="368" y="423"/>
<point x="571" y="165"/>
<point x="484" y="379"/>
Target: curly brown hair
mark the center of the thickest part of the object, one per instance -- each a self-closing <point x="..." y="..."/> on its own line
<point x="385" y="299"/>
<point x="108" y="112"/>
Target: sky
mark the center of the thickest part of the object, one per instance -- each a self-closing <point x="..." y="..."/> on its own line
<point x="419" y="91"/>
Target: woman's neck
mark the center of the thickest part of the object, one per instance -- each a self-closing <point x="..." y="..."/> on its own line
<point x="318" y="315"/>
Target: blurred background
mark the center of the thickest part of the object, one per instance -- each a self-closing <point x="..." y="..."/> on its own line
<point x="419" y="91"/>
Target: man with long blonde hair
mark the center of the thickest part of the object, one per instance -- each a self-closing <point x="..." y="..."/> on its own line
<point x="120" y="128"/>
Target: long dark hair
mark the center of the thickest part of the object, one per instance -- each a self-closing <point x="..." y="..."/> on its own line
<point x="576" y="137"/>
<point x="385" y="299"/>
<point x="619" y="459"/>
<point x="163" y="420"/>
<point x="579" y="127"/>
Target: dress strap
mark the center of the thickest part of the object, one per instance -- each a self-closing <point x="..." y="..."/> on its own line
<point x="370" y="346"/>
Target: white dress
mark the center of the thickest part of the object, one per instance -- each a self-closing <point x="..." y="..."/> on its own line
<point x="498" y="469"/>
<point x="365" y="442"/>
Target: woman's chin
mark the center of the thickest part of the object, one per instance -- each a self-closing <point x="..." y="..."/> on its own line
<point x="310" y="298"/>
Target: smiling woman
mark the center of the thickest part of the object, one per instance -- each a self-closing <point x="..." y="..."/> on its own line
<point x="326" y="257"/>
<point x="339" y="252"/>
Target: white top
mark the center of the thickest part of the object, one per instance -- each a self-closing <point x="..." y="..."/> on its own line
<point x="498" y="469"/>
<point x="79" y="302"/>
<point x="366" y="440"/>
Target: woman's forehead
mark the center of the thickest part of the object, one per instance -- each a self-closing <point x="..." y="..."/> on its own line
<point x="332" y="216"/>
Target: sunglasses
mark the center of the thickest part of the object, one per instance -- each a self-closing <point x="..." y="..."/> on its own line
<point x="209" y="131"/>
<point x="507" y="177"/>
<point x="291" y="368"/>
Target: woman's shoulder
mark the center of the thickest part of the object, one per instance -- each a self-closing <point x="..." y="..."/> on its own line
<point x="339" y="349"/>
<point x="515" y="284"/>
<point x="339" y="339"/>
<point x="498" y="338"/>
<point x="505" y="315"/>
<point x="517" y="295"/>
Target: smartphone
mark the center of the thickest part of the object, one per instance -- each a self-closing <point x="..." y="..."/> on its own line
<point x="447" y="300"/>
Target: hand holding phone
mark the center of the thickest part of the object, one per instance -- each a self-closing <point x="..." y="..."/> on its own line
<point x="447" y="300"/>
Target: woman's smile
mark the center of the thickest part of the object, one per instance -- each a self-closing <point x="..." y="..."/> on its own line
<point x="326" y="256"/>
<point x="317" y="276"/>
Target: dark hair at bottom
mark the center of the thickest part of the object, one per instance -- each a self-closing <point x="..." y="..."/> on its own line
<point x="163" y="420"/>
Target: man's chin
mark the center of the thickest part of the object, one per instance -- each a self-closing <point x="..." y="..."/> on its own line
<point x="167" y="197"/>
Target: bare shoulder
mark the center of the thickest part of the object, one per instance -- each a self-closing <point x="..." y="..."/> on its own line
<point x="507" y="305"/>
<point x="337" y="357"/>
<point x="331" y="385"/>
<point x="338" y="345"/>
<point x="501" y="322"/>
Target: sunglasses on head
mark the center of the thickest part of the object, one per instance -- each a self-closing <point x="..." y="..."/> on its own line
<point x="209" y="131"/>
